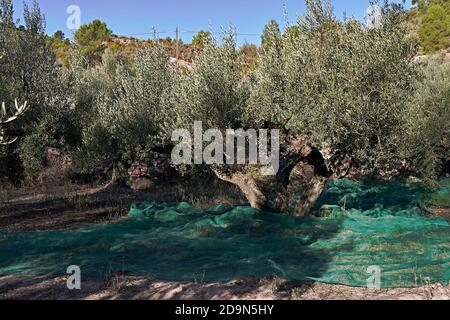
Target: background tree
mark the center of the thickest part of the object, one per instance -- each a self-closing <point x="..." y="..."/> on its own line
<point x="61" y="47"/>
<point x="34" y="19"/>
<point x="89" y="40"/>
<point x="199" y="40"/>
<point x="271" y="29"/>
<point x="434" y="31"/>
<point x="59" y="35"/>
<point x="248" y="54"/>
<point x="430" y="19"/>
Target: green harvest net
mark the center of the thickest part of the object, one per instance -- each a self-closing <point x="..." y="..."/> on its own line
<point x="366" y="224"/>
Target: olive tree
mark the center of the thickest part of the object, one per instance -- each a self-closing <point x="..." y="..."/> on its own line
<point x="214" y="92"/>
<point x="28" y="72"/>
<point x="336" y="91"/>
<point x="427" y="123"/>
<point x="27" y="63"/>
<point x="132" y="108"/>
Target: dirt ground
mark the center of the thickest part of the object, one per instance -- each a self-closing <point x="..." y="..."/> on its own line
<point x="65" y="208"/>
<point x="69" y="207"/>
<point x="138" y="288"/>
<point x="60" y="209"/>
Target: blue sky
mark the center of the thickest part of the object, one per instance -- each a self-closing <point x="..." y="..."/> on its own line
<point x="134" y="17"/>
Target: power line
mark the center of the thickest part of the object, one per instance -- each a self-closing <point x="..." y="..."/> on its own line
<point x="220" y="33"/>
<point x="144" y="33"/>
<point x="188" y="31"/>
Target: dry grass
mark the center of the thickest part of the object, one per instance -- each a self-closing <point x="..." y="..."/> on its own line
<point x="67" y="207"/>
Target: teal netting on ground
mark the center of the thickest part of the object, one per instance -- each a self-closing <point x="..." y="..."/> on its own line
<point x="366" y="224"/>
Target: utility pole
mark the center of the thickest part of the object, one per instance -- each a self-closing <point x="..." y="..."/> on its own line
<point x="177" y="49"/>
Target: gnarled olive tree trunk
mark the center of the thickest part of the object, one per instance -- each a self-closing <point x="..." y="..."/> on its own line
<point x="272" y="193"/>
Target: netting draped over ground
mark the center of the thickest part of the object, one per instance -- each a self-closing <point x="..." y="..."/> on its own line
<point x="364" y="225"/>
